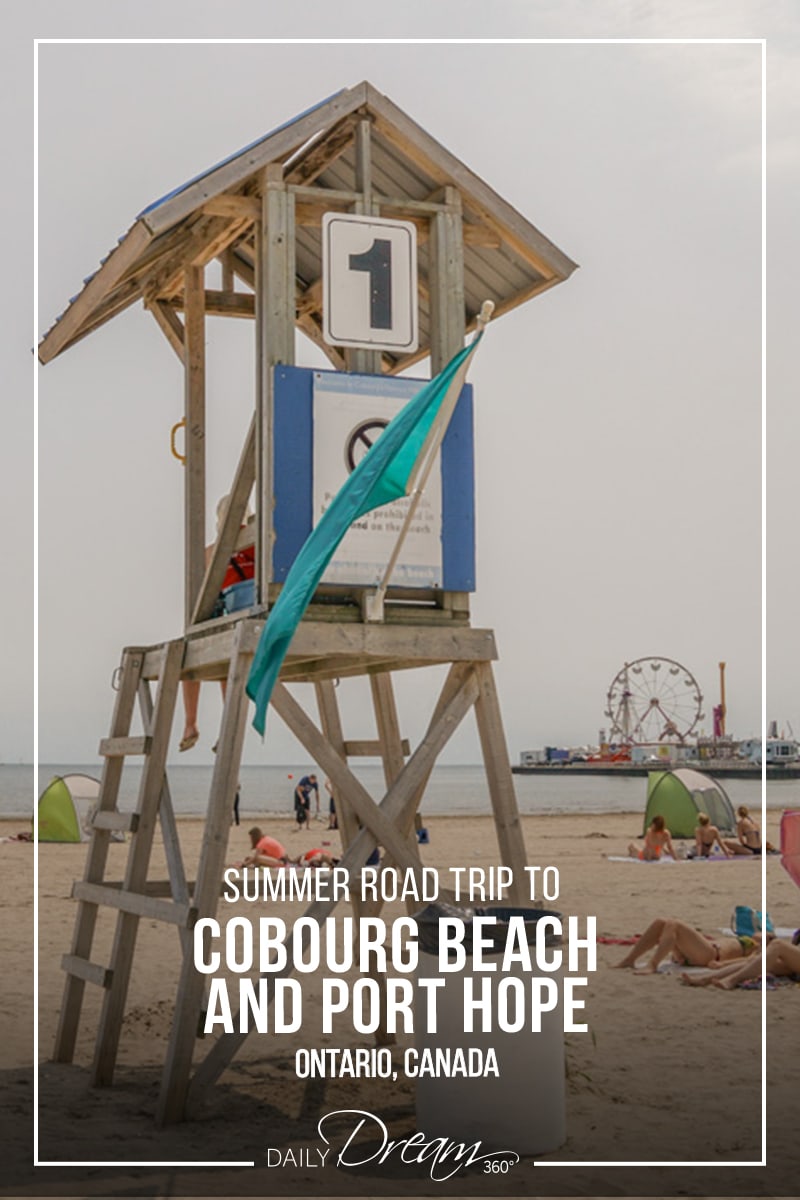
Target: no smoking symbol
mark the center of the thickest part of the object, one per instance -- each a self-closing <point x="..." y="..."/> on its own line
<point x="360" y="440"/>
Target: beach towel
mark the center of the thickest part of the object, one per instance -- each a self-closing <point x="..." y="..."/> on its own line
<point x="645" y="862"/>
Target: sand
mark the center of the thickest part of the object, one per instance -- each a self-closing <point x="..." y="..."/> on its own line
<point x="665" y="1073"/>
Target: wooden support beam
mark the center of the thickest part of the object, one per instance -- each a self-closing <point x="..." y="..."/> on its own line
<point x="228" y="205"/>
<point x="68" y="326"/>
<point x="394" y="807"/>
<point x="221" y="304"/>
<point x="195" y="465"/>
<point x="372" y="749"/>
<point x="331" y="725"/>
<point x="86" y="918"/>
<point x="368" y="813"/>
<point x="178" y="1063"/>
<point x="310" y="163"/>
<point x="227" y="536"/>
<point x="446" y="282"/>
<point x="275" y="318"/>
<point x="170" y="325"/>
<point x="499" y="778"/>
<point x="179" y="888"/>
<point x="364" y="362"/>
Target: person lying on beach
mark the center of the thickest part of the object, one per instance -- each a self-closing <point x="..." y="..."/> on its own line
<point x="267" y="851"/>
<point x="316" y="858"/>
<point x="779" y="958"/>
<point x="706" y="836"/>
<point x="748" y="833"/>
<point x="657" y="840"/>
<point x="687" y="946"/>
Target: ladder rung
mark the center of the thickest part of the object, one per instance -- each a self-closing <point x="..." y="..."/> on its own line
<point x="135" y="903"/>
<point x="117" y="747"/>
<point x="120" y="822"/>
<point x="83" y="969"/>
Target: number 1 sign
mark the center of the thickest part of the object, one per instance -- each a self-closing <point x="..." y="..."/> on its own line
<point x="369" y="282"/>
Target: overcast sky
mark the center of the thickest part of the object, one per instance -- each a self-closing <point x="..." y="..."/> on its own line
<point x="618" y="417"/>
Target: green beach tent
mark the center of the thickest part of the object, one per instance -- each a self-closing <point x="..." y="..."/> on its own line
<point x="65" y="808"/>
<point x="681" y="794"/>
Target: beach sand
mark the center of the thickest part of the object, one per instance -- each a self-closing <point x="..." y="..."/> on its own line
<point x="666" y="1073"/>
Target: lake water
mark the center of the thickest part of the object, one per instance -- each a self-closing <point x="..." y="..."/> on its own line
<point x="452" y="789"/>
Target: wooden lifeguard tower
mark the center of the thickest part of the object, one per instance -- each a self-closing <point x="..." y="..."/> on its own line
<point x="262" y="214"/>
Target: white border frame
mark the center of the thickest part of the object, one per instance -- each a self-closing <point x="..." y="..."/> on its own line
<point x="389" y="41"/>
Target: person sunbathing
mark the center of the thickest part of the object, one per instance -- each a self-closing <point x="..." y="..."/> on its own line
<point x="706" y="836"/>
<point x="779" y="958"/>
<point x="748" y="833"/>
<point x="657" y="840"/>
<point x="316" y="858"/>
<point x="687" y="946"/>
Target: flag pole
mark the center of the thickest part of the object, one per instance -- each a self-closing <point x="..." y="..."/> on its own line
<point x="373" y="601"/>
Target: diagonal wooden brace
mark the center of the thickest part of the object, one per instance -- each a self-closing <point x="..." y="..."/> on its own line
<point x="395" y="807"/>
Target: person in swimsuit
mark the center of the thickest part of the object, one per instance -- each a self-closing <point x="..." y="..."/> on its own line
<point x="748" y="833"/>
<point x="706" y="836"/>
<point x="657" y="841"/>
<point x="687" y="946"/>
<point x="316" y="858"/>
<point x="779" y="958"/>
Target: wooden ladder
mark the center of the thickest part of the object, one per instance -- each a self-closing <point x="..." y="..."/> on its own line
<point x="132" y="900"/>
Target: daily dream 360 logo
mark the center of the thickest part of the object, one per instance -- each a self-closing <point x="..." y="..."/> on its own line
<point x="443" y="1157"/>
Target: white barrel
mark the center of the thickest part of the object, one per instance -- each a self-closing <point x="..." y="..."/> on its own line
<point x="523" y="1109"/>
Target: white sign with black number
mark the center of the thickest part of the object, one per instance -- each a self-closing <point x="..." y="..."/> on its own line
<point x="369" y="282"/>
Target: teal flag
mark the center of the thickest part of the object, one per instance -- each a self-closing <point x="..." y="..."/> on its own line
<point x="382" y="476"/>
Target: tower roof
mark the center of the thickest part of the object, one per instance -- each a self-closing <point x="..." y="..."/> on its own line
<point x="506" y="258"/>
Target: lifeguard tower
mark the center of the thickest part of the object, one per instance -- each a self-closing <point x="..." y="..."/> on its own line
<point x="353" y="225"/>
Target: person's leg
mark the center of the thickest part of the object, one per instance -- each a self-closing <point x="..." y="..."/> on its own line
<point x="732" y="968"/>
<point x="782" y="958"/>
<point x="735" y="847"/>
<point x="191" y="701"/>
<point x="649" y="938"/>
<point x="695" y="947"/>
<point x="729" y="979"/>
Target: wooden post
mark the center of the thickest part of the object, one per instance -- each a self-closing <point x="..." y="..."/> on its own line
<point x="275" y="318"/>
<point x="500" y="779"/>
<point x="447" y="311"/>
<point x="446" y="282"/>
<point x="331" y="725"/>
<point x="178" y="1064"/>
<point x="195" y="412"/>
<point x="364" y="362"/>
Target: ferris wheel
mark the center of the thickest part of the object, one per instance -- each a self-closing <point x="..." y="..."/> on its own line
<point x="653" y="700"/>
